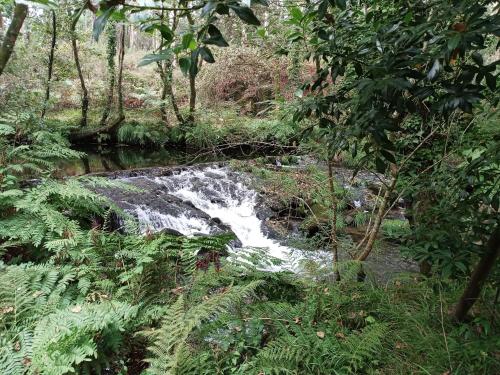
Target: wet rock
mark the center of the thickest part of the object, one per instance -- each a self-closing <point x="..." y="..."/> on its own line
<point x="171" y="232"/>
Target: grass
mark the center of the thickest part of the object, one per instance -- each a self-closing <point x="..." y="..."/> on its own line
<point x="395" y="229"/>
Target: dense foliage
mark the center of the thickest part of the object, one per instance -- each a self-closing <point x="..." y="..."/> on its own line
<point x="402" y="91"/>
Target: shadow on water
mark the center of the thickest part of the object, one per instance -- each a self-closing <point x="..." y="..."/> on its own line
<point x="109" y="159"/>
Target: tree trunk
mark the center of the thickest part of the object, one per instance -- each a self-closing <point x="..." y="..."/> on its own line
<point x="333" y="232"/>
<point x="20" y="12"/>
<point x="479" y="276"/>
<point x="162" y="69"/>
<point x="166" y="76"/>
<point x="85" y="93"/>
<point x="192" y="96"/>
<point x="192" y="79"/>
<point x="51" y="63"/>
<point x="378" y="220"/>
<point x="170" y="90"/>
<point x="112" y="129"/>
<point x="111" y="52"/>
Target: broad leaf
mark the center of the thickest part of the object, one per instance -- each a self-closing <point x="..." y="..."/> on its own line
<point x="100" y="23"/>
<point x="215" y="37"/>
<point x="245" y="14"/>
<point x="185" y="64"/>
<point x="148" y="59"/>
<point x="206" y="55"/>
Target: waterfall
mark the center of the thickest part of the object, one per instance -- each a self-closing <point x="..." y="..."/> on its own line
<point x="212" y="198"/>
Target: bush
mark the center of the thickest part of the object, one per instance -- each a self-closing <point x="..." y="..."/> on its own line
<point x="247" y="76"/>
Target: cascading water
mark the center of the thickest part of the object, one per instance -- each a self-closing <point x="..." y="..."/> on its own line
<point x="211" y="200"/>
<point x="205" y="201"/>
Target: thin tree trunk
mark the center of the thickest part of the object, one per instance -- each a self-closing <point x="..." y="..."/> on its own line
<point x="333" y="232"/>
<point x="170" y="90"/>
<point x="192" y="80"/>
<point x="85" y="93"/>
<point x="166" y="76"/>
<point x="111" y="52"/>
<point x="113" y="130"/>
<point x="192" y="96"/>
<point x="378" y="220"/>
<point x="479" y="276"/>
<point x="51" y="63"/>
<point x="163" y="105"/>
<point x="20" y="12"/>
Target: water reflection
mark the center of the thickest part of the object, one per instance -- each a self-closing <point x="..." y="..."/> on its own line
<point x="120" y="158"/>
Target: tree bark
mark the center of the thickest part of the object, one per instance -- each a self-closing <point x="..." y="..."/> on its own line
<point x="192" y="96"/>
<point x="479" y="276"/>
<point x="111" y="52"/>
<point x="378" y="220"/>
<point x="192" y="80"/>
<point x="85" y="93"/>
<point x="112" y="129"/>
<point x="162" y="69"/>
<point x="20" y="12"/>
<point x="333" y="232"/>
<point x="51" y="63"/>
<point x="170" y="92"/>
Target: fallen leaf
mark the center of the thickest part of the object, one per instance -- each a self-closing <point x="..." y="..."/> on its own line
<point x="320" y="334"/>
<point x="17" y="346"/>
<point x="400" y="345"/>
<point x="177" y="290"/>
<point x="76" y="309"/>
<point x="7" y="310"/>
<point x="340" y="335"/>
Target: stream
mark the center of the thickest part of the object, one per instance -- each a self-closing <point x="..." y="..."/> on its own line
<point x="209" y="199"/>
<point x="204" y="199"/>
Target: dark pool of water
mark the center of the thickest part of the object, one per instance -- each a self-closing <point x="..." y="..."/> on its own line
<point x="110" y="159"/>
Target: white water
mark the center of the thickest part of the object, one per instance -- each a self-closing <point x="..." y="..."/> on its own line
<point x="156" y="221"/>
<point x="221" y="194"/>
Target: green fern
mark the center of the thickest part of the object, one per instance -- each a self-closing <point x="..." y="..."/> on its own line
<point x="171" y="350"/>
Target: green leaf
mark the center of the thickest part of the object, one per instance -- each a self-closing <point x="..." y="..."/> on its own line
<point x="222" y="9"/>
<point x="187" y="39"/>
<point x="192" y="45"/>
<point x="148" y="59"/>
<point x="185" y="64"/>
<point x="341" y="4"/>
<point x="454" y="41"/>
<point x="166" y="33"/>
<point x="215" y="37"/>
<point x="245" y="14"/>
<point x="380" y="165"/>
<point x="261" y="31"/>
<point x="491" y="81"/>
<point x="206" y="55"/>
<point x="296" y="13"/>
<point x="100" y="23"/>
<point x="388" y="156"/>
<point x="478" y="59"/>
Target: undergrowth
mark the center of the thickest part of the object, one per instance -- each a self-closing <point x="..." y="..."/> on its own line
<point x="79" y="294"/>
